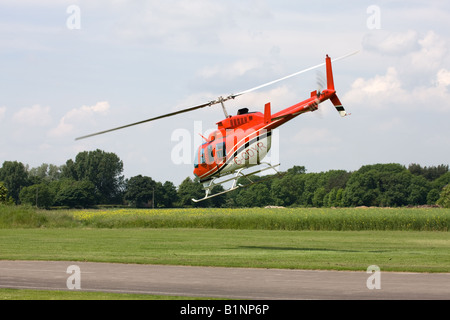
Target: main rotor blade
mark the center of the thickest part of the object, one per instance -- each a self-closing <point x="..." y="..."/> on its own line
<point x="148" y="120"/>
<point x="289" y="76"/>
<point x="219" y="100"/>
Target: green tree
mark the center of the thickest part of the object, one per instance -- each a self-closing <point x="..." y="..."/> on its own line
<point x="312" y="181"/>
<point x="191" y="189"/>
<point x="379" y="185"/>
<point x="296" y="170"/>
<point x="339" y="198"/>
<point x="393" y="188"/>
<point x="14" y="176"/>
<point x="38" y="195"/>
<point x="45" y="172"/>
<point x="430" y="173"/>
<point x="318" y="197"/>
<point x="140" y="191"/>
<point x="436" y="188"/>
<point x="169" y="195"/>
<point x="102" y="169"/>
<point x="444" y="199"/>
<point x="361" y="189"/>
<point x="4" y="197"/>
<point x="257" y="195"/>
<point x="335" y="179"/>
<point x="418" y="190"/>
<point x="330" y="198"/>
<point x="433" y="196"/>
<point x="74" y="193"/>
<point x="287" y="190"/>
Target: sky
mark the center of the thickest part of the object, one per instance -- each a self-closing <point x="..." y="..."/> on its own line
<point x="71" y="68"/>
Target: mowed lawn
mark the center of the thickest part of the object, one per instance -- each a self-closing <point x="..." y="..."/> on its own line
<point x="417" y="251"/>
<point x="395" y="239"/>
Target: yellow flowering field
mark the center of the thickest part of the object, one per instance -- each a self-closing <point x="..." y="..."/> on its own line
<point x="434" y="219"/>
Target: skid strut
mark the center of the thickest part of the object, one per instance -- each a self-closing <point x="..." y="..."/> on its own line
<point x="210" y="184"/>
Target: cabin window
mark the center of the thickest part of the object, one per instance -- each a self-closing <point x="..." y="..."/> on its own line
<point x="202" y="156"/>
<point x="210" y="154"/>
<point x="221" y="151"/>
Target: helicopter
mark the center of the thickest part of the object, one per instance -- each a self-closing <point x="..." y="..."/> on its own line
<point x="242" y="141"/>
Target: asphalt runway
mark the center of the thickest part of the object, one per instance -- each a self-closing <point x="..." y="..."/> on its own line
<point x="233" y="283"/>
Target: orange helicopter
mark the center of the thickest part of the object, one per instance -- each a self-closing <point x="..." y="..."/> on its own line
<point x="242" y="141"/>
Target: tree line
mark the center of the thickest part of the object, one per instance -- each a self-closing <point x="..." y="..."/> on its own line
<point x="95" y="178"/>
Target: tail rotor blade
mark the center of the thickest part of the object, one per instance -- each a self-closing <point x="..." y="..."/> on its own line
<point x="320" y="82"/>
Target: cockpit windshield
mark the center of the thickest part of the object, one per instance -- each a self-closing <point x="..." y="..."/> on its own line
<point x="206" y="153"/>
<point x="196" y="158"/>
<point x="199" y="157"/>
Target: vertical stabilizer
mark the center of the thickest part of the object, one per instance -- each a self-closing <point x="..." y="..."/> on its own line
<point x="330" y="81"/>
<point x="330" y="86"/>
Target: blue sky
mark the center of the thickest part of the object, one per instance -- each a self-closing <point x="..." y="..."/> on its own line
<point x="132" y="60"/>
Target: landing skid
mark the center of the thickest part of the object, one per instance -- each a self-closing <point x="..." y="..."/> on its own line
<point x="209" y="185"/>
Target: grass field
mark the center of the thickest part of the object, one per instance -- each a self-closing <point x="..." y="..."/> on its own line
<point x="339" y="250"/>
<point x="25" y="294"/>
<point x="401" y="239"/>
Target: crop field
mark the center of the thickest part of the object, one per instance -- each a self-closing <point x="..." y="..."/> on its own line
<point x="338" y="219"/>
<point x="350" y="219"/>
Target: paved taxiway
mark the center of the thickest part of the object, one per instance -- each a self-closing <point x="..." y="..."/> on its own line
<point x="234" y="283"/>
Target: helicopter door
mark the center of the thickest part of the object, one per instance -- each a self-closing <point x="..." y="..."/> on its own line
<point x="210" y="153"/>
<point x="221" y="152"/>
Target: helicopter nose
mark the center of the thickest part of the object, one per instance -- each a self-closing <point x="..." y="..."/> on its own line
<point x="196" y="172"/>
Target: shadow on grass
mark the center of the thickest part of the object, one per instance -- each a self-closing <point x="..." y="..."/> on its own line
<point x="304" y="249"/>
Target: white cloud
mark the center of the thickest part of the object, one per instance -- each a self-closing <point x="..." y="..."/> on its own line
<point x="443" y="78"/>
<point x="375" y="91"/>
<point x="76" y="118"/>
<point x="280" y="98"/>
<point x="177" y="22"/>
<point x="230" y="71"/>
<point x="387" y="92"/>
<point x="415" y="80"/>
<point x="434" y="97"/>
<point x="433" y="50"/>
<point x="416" y="55"/>
<point x="315" y="136"/>
<point x="37" y="3"/>
<point x="391" y="43"/>
<point x="33" y="116"/>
